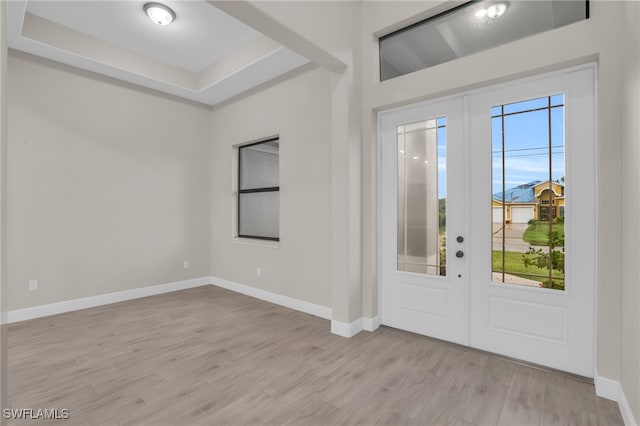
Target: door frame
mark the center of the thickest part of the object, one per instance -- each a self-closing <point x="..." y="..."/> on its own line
<point x="464" y="94"/>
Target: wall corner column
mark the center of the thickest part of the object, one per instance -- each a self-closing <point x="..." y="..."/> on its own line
<point x="346" y="206"/>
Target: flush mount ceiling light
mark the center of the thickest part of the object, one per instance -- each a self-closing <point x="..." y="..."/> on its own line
<point x="494" y="11"/>
<point x="159" y="13"/>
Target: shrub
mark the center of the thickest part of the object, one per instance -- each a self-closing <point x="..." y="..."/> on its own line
<point x="541" y="259"/>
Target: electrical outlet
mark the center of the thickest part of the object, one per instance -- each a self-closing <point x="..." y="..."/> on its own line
<point x="33" y="285"/>
<point x="258" y="272"/>
<point x="186" y="264"/>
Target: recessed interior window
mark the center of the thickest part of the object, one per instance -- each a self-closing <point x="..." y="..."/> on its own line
<point x="259" y="190"/>
<point x="472" y="27"/>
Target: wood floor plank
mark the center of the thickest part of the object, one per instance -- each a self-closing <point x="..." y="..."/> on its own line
<point x="208" y="356"/>
<point x="523" y="402"/>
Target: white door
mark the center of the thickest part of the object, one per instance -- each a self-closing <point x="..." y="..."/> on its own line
<point x="422" y="169"/>
<point x="521" y="214"/>
<point x="521" y="290"/>
<point x="527" y="132"/>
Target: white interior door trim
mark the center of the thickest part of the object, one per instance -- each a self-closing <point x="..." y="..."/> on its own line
<point x="576" y="164"/>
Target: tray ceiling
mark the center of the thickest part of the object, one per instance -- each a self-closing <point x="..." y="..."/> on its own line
<point x="205" y="55"/>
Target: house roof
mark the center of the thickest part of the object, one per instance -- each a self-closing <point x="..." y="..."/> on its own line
<point x="547" y="183"/>
<point x="522" y="193"/>
<point x="519" y="194"/>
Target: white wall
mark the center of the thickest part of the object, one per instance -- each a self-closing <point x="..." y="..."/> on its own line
<point x="630" y="321"/>
<point x="298" y="110"/>
<point x="108" y="185"/>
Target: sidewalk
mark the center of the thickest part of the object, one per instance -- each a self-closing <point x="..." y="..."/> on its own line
<point x="513" y="233"/>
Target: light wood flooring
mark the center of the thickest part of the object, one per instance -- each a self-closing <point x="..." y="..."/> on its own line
<point x="213" y="357"/>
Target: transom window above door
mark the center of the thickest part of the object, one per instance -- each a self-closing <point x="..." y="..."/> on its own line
<point x="470" y="28"/>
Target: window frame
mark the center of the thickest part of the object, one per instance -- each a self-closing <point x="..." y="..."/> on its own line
<point x="548" y="213"/>
<point x="254" y="190"/>
<point x="443" y="14"/>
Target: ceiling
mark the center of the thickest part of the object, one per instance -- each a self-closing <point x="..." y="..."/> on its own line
<point x="205" y="55"/>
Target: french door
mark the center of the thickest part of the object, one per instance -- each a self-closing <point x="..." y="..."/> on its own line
<point x="423" y="211"/>
<point x="487" y="219"/>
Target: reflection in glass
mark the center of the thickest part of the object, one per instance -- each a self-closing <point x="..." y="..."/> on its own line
<point x="259" y="165"/>
<point x="471" y="28"/>
<point x="528" y="186"/>
<point x="259" y="190"/>
<point x="422" y="197"/>
<point x="260" y="214"/>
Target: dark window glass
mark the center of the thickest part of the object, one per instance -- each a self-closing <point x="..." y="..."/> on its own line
<point x="470" y="28"/>
<point x="259" y="190"/>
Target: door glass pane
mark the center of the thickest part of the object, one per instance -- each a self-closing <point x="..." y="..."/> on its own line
<point x="528" y="192"/>
<point x="422" y="196"/>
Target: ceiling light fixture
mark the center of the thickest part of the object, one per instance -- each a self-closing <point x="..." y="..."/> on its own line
<point x="494" y="11"/>
<point x="159" y="13"/>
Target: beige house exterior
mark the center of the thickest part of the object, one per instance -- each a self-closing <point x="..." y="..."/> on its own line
<point x="535" y="200"/>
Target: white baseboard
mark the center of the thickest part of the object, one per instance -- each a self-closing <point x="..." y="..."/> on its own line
<point x="612" y="389"/>
<point x="346" y="329"/>
<point x="625" y="410"/>
<point x="607" y="388"/>
<point x="102" y="299"/>
<point x="278" y="299"/>
<point x="337" y="327"/>
<point x="351" y="329"/>
<point x="371" y="324"/>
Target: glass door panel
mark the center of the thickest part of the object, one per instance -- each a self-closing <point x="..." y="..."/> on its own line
<point x="528" y="192"/>
<point x="422" y="191"/>
<point x="422" y="199"/>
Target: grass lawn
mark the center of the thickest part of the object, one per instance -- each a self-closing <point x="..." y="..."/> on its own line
<point x="513" y="265"/>
<point x="537" y="234"/>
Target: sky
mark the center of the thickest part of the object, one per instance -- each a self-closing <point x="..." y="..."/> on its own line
<point x="526" y="145"/>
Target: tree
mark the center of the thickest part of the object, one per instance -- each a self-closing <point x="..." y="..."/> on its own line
<point x="442" y="213"/>
<point x="443" y="257"/>
<point x="540" y="258"/>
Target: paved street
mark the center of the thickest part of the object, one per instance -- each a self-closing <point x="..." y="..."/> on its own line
<point x="513" y="238"/>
